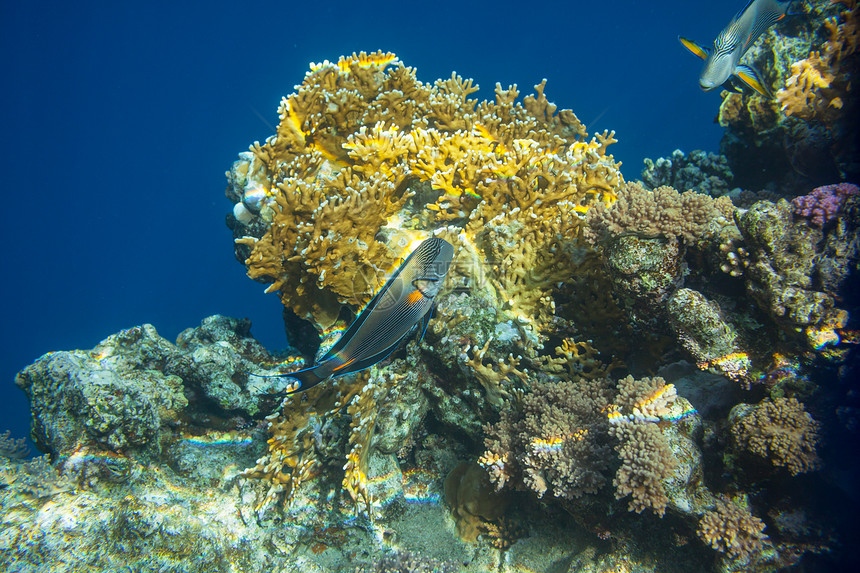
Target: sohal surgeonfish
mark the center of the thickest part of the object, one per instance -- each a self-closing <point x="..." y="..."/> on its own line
<point x="404" y="304"/>
<point x="722" y="66"/>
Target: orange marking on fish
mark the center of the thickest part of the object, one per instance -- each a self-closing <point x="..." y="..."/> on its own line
<point x="344" y="365"/>
<point x="414" y="297"/>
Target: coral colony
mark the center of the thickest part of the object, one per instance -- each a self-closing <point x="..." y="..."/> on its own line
<point x="618" y="375"/>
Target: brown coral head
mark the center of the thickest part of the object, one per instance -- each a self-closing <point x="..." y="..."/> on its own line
<point x="733" y="530"/>
<point x="780" y="431"/>
<point x="473" y="500"/>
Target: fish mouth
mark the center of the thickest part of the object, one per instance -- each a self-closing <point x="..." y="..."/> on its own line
<point x="707" y="86"/>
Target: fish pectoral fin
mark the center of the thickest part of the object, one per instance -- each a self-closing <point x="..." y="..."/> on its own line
<point x="428" y="286"/>
<point x="697" y="49"/>
<point x="359" y="365"/>
<point x="751" y="79"/>
<point x="734" y="85"/>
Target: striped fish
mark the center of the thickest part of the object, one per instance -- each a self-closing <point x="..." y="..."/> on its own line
<point x="722" y="66"/>
<point x="390" y="317"/>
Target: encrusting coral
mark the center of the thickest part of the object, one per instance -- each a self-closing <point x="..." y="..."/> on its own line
<point x="783" y="271"/>
<point x="779" y="431"/>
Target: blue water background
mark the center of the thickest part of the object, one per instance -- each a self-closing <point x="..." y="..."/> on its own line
<point x="118" y="120"/>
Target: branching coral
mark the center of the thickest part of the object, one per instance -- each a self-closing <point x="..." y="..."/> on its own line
<point x="580" y="359"/>
<point x="558" y="442"/>
<point x="646" y="462"/>
<point x="646" y="458"/>
<point x="780" y="431"/>
<point x="560" y="438"/>
<point x="733" y="530"/>
<point x="290" y="460"/>
<point x="295" y="446"/>
<point x="492" y="379"/>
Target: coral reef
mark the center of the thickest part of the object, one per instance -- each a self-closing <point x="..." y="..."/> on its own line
<point x="644" y="237"/>
<point x="794" y="261"/>
<point x="609" y="371"/>
<point x="778" y="431"/>
<point x="819" y="85"/>
<point x="366" y="160"/>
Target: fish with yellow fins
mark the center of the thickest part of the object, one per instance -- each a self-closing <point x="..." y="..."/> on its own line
<point x="404" y="304"/>
<point x="722" y="62"/>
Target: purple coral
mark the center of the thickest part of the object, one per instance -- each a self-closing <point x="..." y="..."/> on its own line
<point x="824" y="202"/>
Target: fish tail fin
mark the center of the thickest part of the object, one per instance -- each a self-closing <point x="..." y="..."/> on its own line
<point x="300" y="380"/>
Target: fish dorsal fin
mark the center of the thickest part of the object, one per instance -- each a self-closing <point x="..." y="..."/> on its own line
<point x="740" y="12"/>
<point x="766" y="14"/>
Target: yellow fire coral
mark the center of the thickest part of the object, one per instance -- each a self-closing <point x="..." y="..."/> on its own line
<point x="292" y="457"/>
<point x="366" y="158"/>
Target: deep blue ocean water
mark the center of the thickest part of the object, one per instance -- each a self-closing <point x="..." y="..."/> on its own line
<point x="118" y="120"/>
